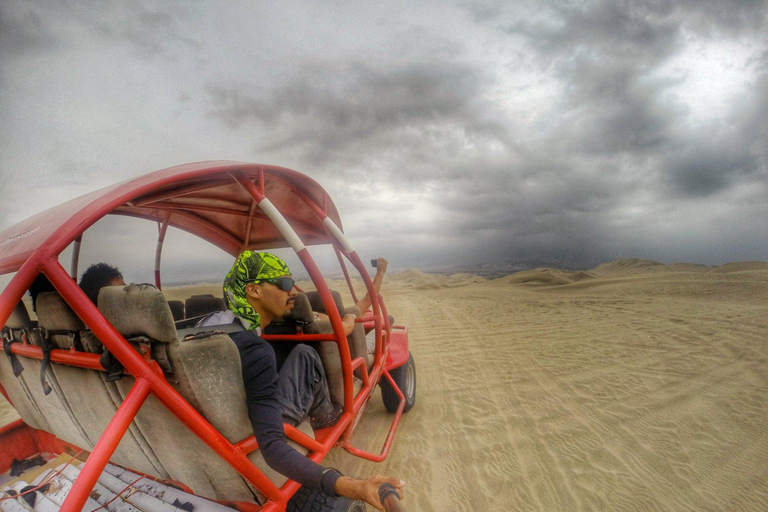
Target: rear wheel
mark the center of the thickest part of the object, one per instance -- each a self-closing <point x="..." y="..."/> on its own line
<point x="405" y="378"/>
<point x="310" y="500"/>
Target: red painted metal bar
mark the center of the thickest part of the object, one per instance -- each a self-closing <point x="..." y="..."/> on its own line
<point x="262" y="179"/>
<point x="346" y="274"/>
<point x="105" y="446"/>
<point x="249" y="444"/>
<point x="72" y="358"/>
<point x="364" y="369"/>
<point x="140" y="369"/>
<point x="390" y="436"/>
<point x="249" y="225"/>
<point x="376" y="300"/>
<point x="159" y="250"/>
<point x="15" y="289"/>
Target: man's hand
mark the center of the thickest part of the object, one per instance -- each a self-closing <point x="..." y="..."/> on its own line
<point x="381" y="266"/>
<point x="367" y="490"/>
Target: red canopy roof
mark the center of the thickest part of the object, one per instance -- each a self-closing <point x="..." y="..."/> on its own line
<point x="202" y="198"/>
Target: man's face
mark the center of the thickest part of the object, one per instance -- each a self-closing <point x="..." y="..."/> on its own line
<point x="273" y="299"/>
<point x="118" y="281"/>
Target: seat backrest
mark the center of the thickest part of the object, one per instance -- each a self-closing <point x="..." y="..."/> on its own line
<point x="61" y="325"/>
<point x="357" y="344"/>
<point x="328" y="350"/>
<point x="177" y="309"/>
<point x="17" y="328"/>
<point x="317" y="304"/>
<point x="91" y="401"/>
<point x="207" y="372"/>
<point x="199" y="305"/>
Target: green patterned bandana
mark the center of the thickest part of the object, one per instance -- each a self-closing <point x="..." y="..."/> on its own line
<point x="249" y="267"/>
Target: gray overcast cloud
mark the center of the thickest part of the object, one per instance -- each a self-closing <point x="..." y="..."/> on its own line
<point x="468" y="134"/>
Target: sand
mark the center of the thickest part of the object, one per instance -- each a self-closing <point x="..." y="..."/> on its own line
<point x="633" y="386"/>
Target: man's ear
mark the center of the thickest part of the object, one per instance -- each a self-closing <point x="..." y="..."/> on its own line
<point x="253" y="290"/>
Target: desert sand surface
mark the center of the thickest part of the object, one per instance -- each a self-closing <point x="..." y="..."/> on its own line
<point x="632" y="386"/>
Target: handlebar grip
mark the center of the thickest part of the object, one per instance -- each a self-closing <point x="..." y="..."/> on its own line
<point x="390" y="499"/>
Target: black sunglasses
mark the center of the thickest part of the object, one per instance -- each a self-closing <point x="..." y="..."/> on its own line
<point x="284" y="283"/>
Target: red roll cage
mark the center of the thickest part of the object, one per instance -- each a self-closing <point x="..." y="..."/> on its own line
<point x="235" y="206"/>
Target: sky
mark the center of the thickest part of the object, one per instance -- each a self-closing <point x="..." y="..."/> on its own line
<point x="449" y="134"/>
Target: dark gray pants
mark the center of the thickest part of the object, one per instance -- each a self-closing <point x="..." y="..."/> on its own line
<point x="301" y="386"/>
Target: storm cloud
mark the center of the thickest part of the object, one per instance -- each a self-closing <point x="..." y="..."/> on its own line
<point x="468" y="134"/>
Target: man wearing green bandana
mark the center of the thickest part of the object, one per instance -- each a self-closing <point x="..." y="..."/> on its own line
<point x="258" y="289"/>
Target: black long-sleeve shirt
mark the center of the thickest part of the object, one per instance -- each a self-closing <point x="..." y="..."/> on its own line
<point x="260" y="379"/>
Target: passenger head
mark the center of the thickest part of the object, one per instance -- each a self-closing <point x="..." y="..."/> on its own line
<point x="259" y="288"/>
<point x="39" y="285"/>
<point x="96" y="277"/>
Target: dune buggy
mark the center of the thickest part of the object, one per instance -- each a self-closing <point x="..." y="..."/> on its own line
<point x="151" y="406"/>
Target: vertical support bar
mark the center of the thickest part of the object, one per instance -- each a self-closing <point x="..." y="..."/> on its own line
<point x="159" y="251"/>
<point x="104" y="448"/>
<point x="250" y="224"/>
<point x="349" y="251"/>
<point x="75" y="257"/>
<point x="301" y="251"/>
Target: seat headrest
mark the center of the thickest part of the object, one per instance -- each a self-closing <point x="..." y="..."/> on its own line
<point x="138" y="310"/>
<point x="302" y="310"/>
<point x="177" y="308"/>
<point x="54" y="314"/>
<point x="19" y="318"/>
<point x="317" y="304"/>
<point x="198" y="305"/>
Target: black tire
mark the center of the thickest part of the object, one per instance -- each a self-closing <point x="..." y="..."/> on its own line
<point x="310" y="500"/>
<point x="405" y="378"/>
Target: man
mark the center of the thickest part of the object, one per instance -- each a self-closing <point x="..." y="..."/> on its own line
<point x="258" y="289"/>
<point x="96" y="277"/>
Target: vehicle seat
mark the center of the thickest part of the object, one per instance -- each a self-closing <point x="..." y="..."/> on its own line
<point x="328" y="350"/>
<point x="91" y="400"/>
<point x="53" y="406"/>
<point x="207" y="372"/>
<point x="357" y="344"/>
<point x="17" y="328"/>
<point x="177" y="309"/>
<point x="199" y="305"/>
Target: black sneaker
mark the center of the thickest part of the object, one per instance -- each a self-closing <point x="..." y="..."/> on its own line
<point x="326" y="420"/>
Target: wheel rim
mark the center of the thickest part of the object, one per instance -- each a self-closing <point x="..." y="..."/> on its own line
<point x="410" y="382"/>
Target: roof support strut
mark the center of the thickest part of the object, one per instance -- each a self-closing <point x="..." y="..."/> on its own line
<point x="162" y="228"/>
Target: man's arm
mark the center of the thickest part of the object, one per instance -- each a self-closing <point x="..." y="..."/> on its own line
<point x="381" y="269"/>
<point x="260" y="380"/>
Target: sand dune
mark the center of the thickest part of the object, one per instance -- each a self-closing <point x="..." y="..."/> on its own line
<point x="631" y="392"/>
<point x="635" y="386"/>
<point x="543" y="277"/>
<point x="419" y="280"/>
<point x="741" y="266"/>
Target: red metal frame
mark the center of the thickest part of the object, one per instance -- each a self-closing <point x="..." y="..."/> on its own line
<point x="33" y="246"/>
